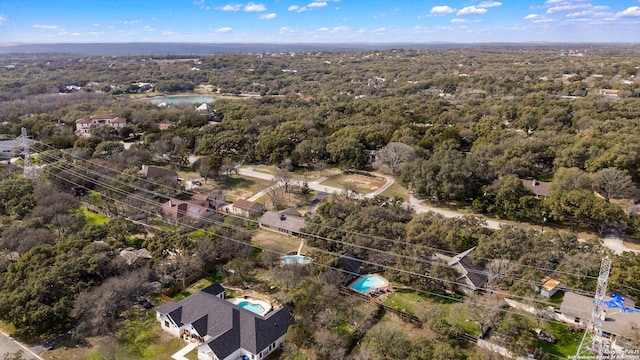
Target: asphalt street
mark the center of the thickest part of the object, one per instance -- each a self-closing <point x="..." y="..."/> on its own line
<point x="10" y="346"/>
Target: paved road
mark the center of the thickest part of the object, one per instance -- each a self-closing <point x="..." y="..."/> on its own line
<point x="613" y="243"/>
<point x="417" y="206"/>
<point x="9" y="346"/>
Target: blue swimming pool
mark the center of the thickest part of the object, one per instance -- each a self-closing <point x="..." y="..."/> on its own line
<point x="368" y="282"/>
<point x="253" y="307"/>
<point x="296" y="259"/>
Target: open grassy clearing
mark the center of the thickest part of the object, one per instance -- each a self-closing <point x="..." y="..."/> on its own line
<point x="94" y="218"/>
<point x="276" y="242"/>
<point x="243" y="187"/>
<point x="137" y="339"/>
<point x="396" y="190"/>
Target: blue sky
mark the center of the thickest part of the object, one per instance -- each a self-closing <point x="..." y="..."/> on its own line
<point x="289" y="21"/>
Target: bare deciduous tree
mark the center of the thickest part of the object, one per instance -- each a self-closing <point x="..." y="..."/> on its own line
<point x="394" y="154"/>
<point x="612" y="183"/>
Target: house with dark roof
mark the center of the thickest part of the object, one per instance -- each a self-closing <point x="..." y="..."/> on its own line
<point x="152" y="172"/>
<point x="288" y="221"/>
<point x="539" y="188"/>
<point x="349" y="263"/>
<point x="471" y="277"/>
<point x="223" y="330"/>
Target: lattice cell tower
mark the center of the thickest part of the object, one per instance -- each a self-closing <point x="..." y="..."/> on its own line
<point x="29" y="170"/>
<point x="591" y="344"/>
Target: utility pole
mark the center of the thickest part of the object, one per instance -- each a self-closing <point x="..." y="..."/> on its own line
<point x="29" y="170"/>
<point x="591" y="344"/>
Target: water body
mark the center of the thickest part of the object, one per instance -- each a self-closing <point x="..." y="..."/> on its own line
<point x="253" y="307"/>
<point x="368" y="282"/>
<point x="296" y="259"/>
<point x="181" y="99"/>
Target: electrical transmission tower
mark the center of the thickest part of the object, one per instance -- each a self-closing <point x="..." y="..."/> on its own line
<point x="591" y="344"/>
<point x="29" y="170"/>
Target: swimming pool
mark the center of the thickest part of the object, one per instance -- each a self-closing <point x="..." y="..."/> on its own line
<point x="296" y="259"/>
<point x="254" y="308"/>
<point x="368" y="282"/>
<point x="254" y="305"/>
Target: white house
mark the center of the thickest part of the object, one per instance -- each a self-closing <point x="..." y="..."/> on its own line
<point x="223" y="330"/>
<point x="83" y="126"/>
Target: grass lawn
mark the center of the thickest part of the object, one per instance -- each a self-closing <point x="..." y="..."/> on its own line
<point x="138" y="339"/>
<point x="196" y="233"/>
<point x="94" y="218"/>
<point x="276" y="242"/>
<point x="567" y="342"/>
<point x="396" y="190"/>
<point x="145" y="340"/>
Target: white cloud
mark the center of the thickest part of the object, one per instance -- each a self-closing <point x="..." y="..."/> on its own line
<point x="489" y="4"/>
<point x="148" y="28"/>
<point x="137" y="21"/>
<point x="633" y="11"/>
<point x="96" y="25"/>
<point x="168" y="32"/>
<point x="471" y="10"/>
<point x="316" y="4"/>
<point x="46" y="27"/>
<point x="3" y="19"/>
<point x="532" y="17"/>
<point x="224" y="29"/>
<point x="75" y="34"/>
<point x="458" y="21"/>
<point x="340" y="28"/>
<point x="96" y="33"/>
<point x="286" y="30"/>
<point x="268" y="16"/>
<point x="297" y="8"/>
<point x="231" y="7"/>
<point x="322" y="29"/>
<point x="252" y="7"/>
<point x="567" y="8"/>
<point x="441" y="10"/>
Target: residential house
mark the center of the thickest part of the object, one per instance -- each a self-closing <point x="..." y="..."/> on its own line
<point x="287" y="221"/>
<point x="213" y="200"/>
<point x="223" y="330"/>
<point x="621" y="318"/>
<point x="244" y="207"/>
<point x="84" y="125"/>
<point x="549" y="286"/>
<point x="609" y="93"/>
<point x="175" y="209"/>
<point x="152" y="172"/>
<point x="539" y="188"/>
<point x="471" y="277"/>
<point x="349" y="263"/>
<point x="11" y="147"/>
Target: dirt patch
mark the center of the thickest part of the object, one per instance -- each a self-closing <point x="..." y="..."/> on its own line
<point x="276" y="242"/>
<point x="363" y="183"/>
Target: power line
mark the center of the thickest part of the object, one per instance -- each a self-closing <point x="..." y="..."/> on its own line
<point x="332" y="267"/>
<point x="122" y="192"/>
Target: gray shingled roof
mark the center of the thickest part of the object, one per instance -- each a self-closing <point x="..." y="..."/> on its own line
<point x="623" y="324"/>
<point x="289" y="220"/>
<point x="229" y="325"/>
